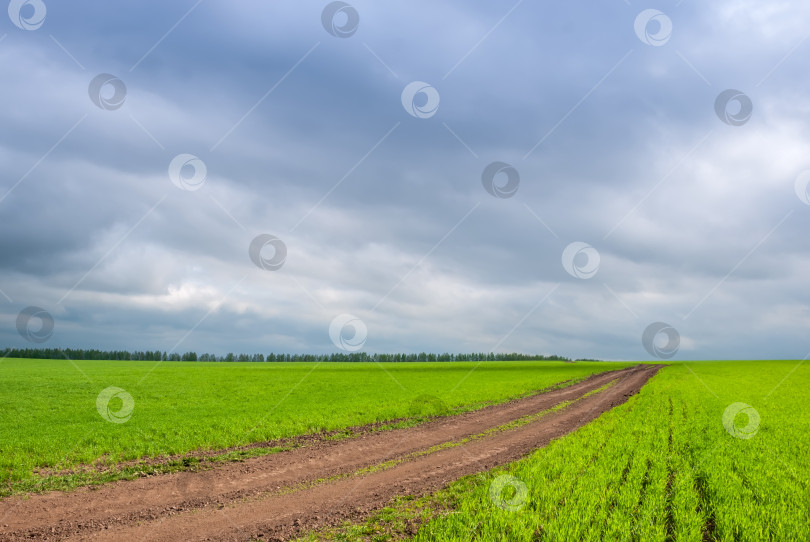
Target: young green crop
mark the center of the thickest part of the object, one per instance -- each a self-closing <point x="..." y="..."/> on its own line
<point x="49" y="418"/>
<point x="663" y="466"/>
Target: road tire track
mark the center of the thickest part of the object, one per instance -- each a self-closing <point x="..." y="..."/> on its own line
<point x="281" y="495"/>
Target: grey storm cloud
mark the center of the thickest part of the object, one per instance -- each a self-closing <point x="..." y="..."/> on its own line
<point x="610" y="125"/>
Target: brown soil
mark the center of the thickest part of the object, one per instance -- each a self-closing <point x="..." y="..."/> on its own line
<point x="281" y="495"/>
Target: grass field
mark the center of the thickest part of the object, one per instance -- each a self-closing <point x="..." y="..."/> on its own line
<point x="49" y="418"/>
<point x="663" y="466"/>
<point x="672" y="463"/>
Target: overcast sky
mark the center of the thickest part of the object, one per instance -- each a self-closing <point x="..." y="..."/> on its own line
<point x="146" y="146"/>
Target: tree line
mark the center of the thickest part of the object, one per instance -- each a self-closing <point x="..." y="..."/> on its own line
<point x="157" y="355"/>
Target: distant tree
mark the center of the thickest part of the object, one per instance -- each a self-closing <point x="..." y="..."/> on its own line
<point x="157" y="355"/>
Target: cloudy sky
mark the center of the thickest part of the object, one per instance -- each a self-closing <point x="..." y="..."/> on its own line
<point x="648" y="168"/>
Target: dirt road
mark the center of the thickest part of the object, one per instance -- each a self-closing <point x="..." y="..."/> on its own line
<point x="278" y="496"/>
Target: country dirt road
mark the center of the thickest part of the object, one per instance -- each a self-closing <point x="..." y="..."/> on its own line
<point x="278" y="496"/>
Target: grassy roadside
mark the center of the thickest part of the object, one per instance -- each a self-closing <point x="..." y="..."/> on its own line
<point x="406" y="513"/>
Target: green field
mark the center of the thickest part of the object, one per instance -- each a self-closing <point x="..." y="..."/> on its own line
<point x="666" y="465"/>
<point x="49" y="418"/>
<point x="661" y="467"/>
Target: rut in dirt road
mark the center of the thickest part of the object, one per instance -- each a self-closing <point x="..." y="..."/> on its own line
<point x="240" y="501"/>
